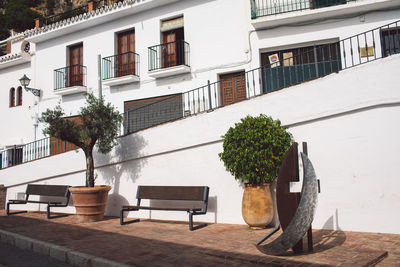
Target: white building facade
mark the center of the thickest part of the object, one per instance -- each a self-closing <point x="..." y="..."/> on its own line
<point x="160" y="61"/>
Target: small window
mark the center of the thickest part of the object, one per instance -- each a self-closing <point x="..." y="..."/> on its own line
<point x="12" y="97"/>
<point x="390" y="41"/>
<point x="19" y="96"/>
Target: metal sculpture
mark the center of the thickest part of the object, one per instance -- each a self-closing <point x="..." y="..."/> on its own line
<point x="296" y="211"/>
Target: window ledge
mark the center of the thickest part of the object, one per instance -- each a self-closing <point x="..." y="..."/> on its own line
<point x="70" y="90"/>
<point x="121" y="80"/>
<point x="160" y="73"/>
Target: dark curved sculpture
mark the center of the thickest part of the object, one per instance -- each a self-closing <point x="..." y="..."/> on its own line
<point x="303" y="217"/>
<point x="287" y="202"/>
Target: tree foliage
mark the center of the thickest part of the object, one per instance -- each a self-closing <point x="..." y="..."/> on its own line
<point x="4" y="32"/>
<point x="19" y="15"/>
<point x="253" y="150"/>
<point x="98" y="124"/>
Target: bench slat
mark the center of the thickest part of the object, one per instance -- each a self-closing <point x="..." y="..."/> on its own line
<point x="171" y="192"/>
<point x="47" y="190"/>
<point x="17" y="201"/>
<point x="160" y="208"/>
<point x="44" y="202"/>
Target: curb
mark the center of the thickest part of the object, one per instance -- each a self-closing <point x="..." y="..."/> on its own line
<point x="60" y="253"/>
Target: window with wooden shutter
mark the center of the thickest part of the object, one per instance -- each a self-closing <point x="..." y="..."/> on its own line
<point x="75" y="65"/>
<point x="233" y="87"/>
<point x="173" y="46"/>
<point x="125" y="63"/>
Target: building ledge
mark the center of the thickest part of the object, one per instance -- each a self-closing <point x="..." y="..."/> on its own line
<point x="295" y="17"/>
<point x="70" y="90"/>
<point x="14" y="59"/>
<point x="121" y="80"/>
<point x="93" y="19"/>
<point x="171" y="71"/>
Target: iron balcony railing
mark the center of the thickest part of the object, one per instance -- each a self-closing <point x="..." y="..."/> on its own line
<point x="3" y="48"/>
<point x="260" y="8"/>
<point x="168" y="55"/>
<point x="32" y="151"/>
<point x="74" y="75"/>
<point x="120" y="65"/>
<point x="304" y="65"/>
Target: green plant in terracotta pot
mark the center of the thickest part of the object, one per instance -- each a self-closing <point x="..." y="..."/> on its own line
<point x="96" y="124"/>
<point x="253" y="151"/>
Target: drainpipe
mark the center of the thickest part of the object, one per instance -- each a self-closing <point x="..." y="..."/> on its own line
<point x="99" y="75"/>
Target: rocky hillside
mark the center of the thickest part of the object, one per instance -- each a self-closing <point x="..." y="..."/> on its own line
<point x="50" y="7"/>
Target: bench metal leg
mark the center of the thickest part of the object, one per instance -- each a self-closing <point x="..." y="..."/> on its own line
<point x="16" y="212"/>
<point x="54" y="216"/>
<point x="121" y="218"/>
<point x="191" y="227"/>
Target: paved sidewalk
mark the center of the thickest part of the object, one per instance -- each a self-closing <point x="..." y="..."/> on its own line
<point x="156" y="243"/>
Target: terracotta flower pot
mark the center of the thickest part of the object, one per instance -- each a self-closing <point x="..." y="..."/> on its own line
<point x="257" y="207"/>
<point x="90" y="202"/>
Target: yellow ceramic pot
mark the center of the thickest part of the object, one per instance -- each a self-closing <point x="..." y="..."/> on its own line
<point x="257" y="207"/>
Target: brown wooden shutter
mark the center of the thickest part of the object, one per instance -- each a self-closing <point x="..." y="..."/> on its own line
<point x="233" y="87"/>
<point x="76" y="65"/>
<point x="125" y="60"/>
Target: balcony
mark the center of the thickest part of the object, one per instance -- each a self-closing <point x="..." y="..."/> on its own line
<point x="120" y="69"/>
<point x="70" y="80"/>
<point x="273" y="13"/>
<point x="260" y="8"/>
<point x="169" y="59"/>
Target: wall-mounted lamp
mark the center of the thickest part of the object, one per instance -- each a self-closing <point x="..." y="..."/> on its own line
<point x="25" y="82"/>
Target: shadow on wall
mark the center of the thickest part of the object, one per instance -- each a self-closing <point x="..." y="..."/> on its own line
<point x="327" y="239"/>
<point x="124" y="162"/>
<point x="213" y="206"/>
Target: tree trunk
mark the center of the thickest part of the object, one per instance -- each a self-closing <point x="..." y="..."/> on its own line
<point x="89" y="169"/>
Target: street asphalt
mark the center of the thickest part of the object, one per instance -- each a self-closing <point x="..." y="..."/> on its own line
<point x="11" y="256"/>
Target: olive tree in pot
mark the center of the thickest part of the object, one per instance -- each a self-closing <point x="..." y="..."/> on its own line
<point x="97" y="124"/>
<point x="252" y="152"/>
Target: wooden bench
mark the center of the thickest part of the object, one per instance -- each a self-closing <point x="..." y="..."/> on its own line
<point x="184" y="196"/>
<point x="46" y="191"/>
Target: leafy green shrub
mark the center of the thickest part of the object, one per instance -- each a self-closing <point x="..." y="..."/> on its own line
<point x="254" y="149"/>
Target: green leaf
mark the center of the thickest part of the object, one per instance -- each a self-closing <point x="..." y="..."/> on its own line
<point x="254" y="149"/>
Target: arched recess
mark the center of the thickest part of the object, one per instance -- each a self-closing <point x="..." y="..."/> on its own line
<point x="19" y="96"/>
<point x="12" y="97"/>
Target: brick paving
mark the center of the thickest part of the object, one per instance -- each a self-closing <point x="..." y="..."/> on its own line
<point x="161" y="243"/>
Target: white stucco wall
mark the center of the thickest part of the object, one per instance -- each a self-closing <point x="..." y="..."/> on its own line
<point x="17" y="124"/>
<point x="221" y="37"/>
<point x="207" y="50"/>
<point x="349" y="120"/>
